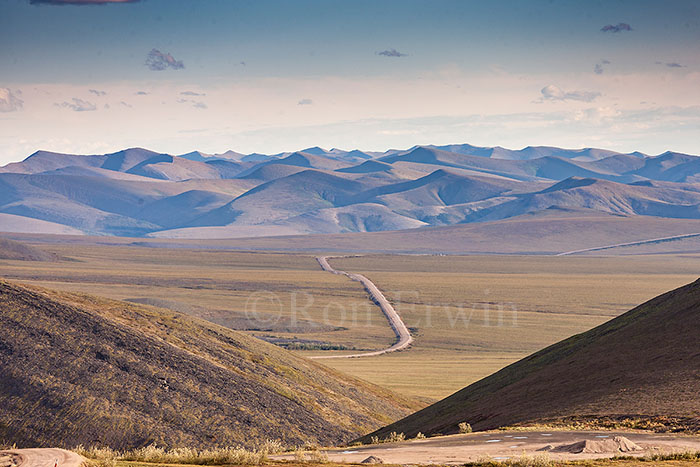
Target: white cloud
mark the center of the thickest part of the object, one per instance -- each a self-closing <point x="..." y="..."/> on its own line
<point x="555" y="93"/>
<point x="9" y="100"/>
<point x="78" y="105"/>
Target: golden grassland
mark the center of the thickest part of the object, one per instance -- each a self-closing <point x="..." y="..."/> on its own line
<point x="471" y="315"/>
<point x="474" y="315"/>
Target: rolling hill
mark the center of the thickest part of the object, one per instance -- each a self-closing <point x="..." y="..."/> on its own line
<point x="141" y="193"/>
<point x="10" y="249"/>
<point x="78" y="369"/>
<point x="644" y="364"/>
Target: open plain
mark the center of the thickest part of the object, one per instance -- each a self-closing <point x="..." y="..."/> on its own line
<point x="469" y="315"/>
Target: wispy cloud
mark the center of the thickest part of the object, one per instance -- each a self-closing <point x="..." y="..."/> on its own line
<point x="671" y="64"/>
<point x="79" y="2"/>
<point x="159" y="61"/>
<point x="615" y="28"/>
<point x="141" y="93"/>
<point x="78" y="105"/>
<point x="555" y="93"/>
<point x="125" y="104"/>
<point x="599" y="67"/>
<point x="195" y="104"/>
<point x="10" y="101"/>
<point x="392" y="53"/>
<point x="97" y="92"/>
<point x="192" y="93"/>
<point x="305" y="102"/>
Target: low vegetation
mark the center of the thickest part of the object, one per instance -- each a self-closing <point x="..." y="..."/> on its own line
<point x="392" y="437"/>
<point x="610" y="372"/>
<point x="153" y="454"/>
<point x="464" y="427"/>
<point x="671" y="459"/>
<point x="81" y="369"/>
<point x="656" y="423"/>
<point x="522" y="461"/>
<point x="552" y="296"/>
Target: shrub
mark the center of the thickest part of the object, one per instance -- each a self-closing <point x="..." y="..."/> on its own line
<point x="464" y="427"/>
<point x="420" y="435"/>
<point x="106" y="457"/>
<point x="394" y="437"/>
<point x="523" y="461"/>
<point x="317" y="457"/>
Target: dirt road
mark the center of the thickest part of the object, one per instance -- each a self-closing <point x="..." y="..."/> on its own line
<point x="502" y="445"/>
<point x="43" y="457"/>
<point x="639" y="242"/>
<point x="403" y="336"/>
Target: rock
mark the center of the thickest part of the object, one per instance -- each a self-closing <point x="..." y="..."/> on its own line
<point x="625" y="445"/>
<point x="548" y="447"/>
<point x="372" y="460"/>
<point x="616" y="444"/>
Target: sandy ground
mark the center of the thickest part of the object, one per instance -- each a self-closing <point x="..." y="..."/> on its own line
<point x="403" y="336"/>
<point x="44" y="457"/>
<point x="502" y="445"/>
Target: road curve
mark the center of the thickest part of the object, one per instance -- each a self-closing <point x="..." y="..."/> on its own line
<point x="403" y="336"/>
<point x="45" y="457"/>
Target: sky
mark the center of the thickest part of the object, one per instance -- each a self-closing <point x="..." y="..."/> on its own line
<point x="97" y="76"/>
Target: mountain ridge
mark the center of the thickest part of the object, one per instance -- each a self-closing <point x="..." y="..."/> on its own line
<point x="136" y="192"/>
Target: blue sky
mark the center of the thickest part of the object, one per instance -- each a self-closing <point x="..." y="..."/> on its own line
<point x="269" y="76"/>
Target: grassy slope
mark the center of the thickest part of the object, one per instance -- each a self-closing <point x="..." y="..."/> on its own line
<point x="643" y="363"/>
<point x="80" y="369"/>
<point x="10" y="249"/>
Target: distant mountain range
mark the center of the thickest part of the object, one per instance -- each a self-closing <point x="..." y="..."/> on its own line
<point x="136" y="192"/>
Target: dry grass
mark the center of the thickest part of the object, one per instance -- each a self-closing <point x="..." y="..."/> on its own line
<point x="81" y="369"/>
<point x="638" y="367"/>
<point x="153" y="454"/>
<point x="684" y="459"/>
<point x="549" y="298"/>
<point x="553" y="297"/>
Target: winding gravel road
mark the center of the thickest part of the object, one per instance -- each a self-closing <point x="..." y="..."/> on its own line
<point x="403" y="336"/>
<point x="44" y="457"/>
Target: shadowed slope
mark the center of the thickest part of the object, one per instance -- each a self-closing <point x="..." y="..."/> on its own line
<point x="9" y="249"/>
<point x="644" y="363"/>
<point x="79" y="369"/>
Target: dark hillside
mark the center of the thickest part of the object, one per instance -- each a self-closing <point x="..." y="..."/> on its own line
<point x="643" y="364"/>
<point x="77" y="369"/>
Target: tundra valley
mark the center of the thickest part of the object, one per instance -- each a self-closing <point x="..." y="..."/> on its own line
<point x="500" y="268"/>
